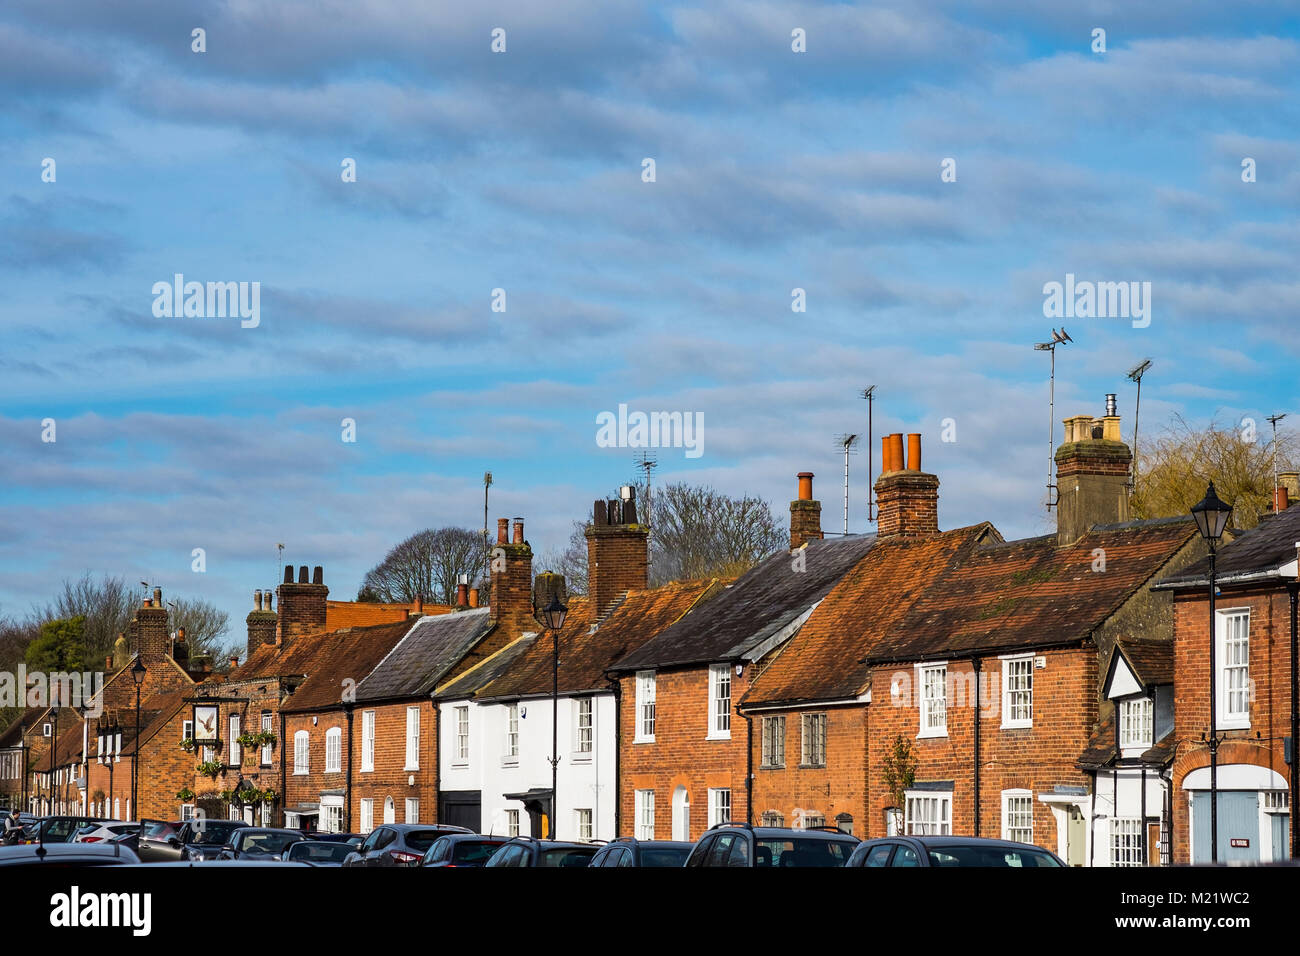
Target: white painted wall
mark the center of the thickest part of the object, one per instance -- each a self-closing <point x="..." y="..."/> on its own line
<point x="1119" y="794"/>
<point x="585" y="780"/>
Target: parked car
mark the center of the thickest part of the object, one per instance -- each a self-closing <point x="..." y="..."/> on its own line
<point x="648" y="853"/>
<point x="67" y="854"/>
<point x="739" y="844"/>
<point x="191" y="840"/>
<point x="316" y="852"/>
<point x="529" y="851"/>
<point x="61" y="829"/>
<point x="950" y="851"/>
<point x="258" y="843"/>
<point x="100" y="832"/>
<point x="462" y="849"/>
<point x="352" y="839"/>
<point x="398" y="844"/>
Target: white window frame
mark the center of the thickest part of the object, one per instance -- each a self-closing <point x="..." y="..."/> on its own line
<point x="512" y="823"/>
<point x="646" y="713"/>
<point x="266" y="748"/>
<point x="1016" y="804"/>
<point x="367" y="814"/>
<point x="772" y="732"/>
<point x="584" y="822"/>
<point x="932" y="710"/>
<point x="331" y="814"/>
<point x="719" y="705"/>
<point x="1139" y="713"/>
<point x="334" y="750"/>
<point x="1009" y="705"/>
<point x="235" y="751"/>
<point x="187" y="730"/>
<point x="187" y="811"/>
<point x="719" y="805"/>
<point x="412" y="739"/>
<point x="644" y="814"/>
<point x="301" y="753"/>
<point x="1226" y="716"/>
<point x="390" y="810"/>
<point x="367" y="741"/>
<point x="510" y="741"/>
<point x="1125" y="841"/>
<point x="584" y="727"/>
<point x="412" y="810"/>
<point x="937" y="817"/>
<point x="812" y="753"/>
<point x="461" y="753"/>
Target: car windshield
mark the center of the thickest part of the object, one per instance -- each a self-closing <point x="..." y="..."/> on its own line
<point x="473" y="853"/>
<point x="213" y="832"/>
<point x="989" y="856"/>
<point x="567" y="856"/>
<point x="664" y="856"/>
<point x="421" y="839"/>
<point x="267" y="842"/>
<point x="796" y="851"/>
<point x="320" y="852"/>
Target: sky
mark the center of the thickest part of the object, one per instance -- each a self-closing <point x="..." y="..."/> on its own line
<point x="525" y="171"/>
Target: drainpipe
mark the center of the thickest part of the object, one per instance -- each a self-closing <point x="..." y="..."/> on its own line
<point x="1092" y="823"/>
<point x="618" y="755"/>
<point x="347" y="786"/>
<point x="1293" y="590"/>
<point x="976" y="664"/>
<point x="284" y="796"/>
<point x="1145" y="849"/>
<point x="437" y="761"/>
<point x="749" y="766"/>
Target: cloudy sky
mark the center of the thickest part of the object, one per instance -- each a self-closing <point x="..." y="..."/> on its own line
<point x="523" y="171"/>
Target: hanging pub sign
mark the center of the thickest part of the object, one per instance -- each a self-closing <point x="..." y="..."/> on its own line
<point x="205" y="724"/>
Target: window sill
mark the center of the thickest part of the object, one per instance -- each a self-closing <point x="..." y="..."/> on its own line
<point x="812" y="766"/>
<point x="643" y="740"/>
<point x="925" y="734"/>
<point x="771" y="766"/>
<point x="1236" y="723"/>
<point x="713" y="736"/>
<point x="510" y="761"/>
<point x="580" y="758"/>
<point x="367" y="770"/>
<point x="1017" y="725"/>
<point x="409" y="769"/>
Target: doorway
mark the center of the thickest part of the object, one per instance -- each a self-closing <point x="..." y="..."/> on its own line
<point x="681" y="815"/>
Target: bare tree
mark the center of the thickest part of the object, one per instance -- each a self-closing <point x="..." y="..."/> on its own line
<point x="204" y="625"/>
<point x="1173" y="470"/>
<point x="106" y="603"/>
<point x="571" y="561"/>
<point x="427" y="565"/>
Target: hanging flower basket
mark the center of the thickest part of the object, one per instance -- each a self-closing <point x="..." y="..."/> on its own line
<point x="210" y="768"/>
<point x="188" y="745"/>
<point x="185" y="795"/>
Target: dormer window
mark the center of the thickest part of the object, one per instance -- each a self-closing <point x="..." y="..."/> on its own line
<point x="1135" y="724"/>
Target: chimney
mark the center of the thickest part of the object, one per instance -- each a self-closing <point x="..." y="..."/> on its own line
<point x="1290" y="480"/>
<point x="1281" y="499"/>
<point x="153" y="641"/>
<point x="181" y="650"/>
<point x="1092" y="475"/>
<point x="261" y="622"/>
<point x="618" y="557"/>
<point x="907" y="498"/>
<point x="234" y="662"/>
<point x="302" y="605"/>
<point x="805" y="514"/>
<point x="473" y="597"/>
<point x="512" y="581"/>
<point x="503" y="530"/>
<point x="462" y="595"/>
<point x="121" y="652"/>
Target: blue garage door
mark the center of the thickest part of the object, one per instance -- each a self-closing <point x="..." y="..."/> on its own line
<point x="1238" y="820"/>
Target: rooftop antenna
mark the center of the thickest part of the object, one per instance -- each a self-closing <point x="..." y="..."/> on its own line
<point x="1135" y="375"/>
<point x="847" y="443"/>
<point x="279" y="554"/>
<point x="1274" y="419"/>
<point x="646" y="463"/>
<point x="1058" y="338"/>
<point x="869" y="393"/>
<point x="487" y="483"/>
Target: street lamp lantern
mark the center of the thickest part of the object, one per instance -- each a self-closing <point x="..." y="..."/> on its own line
<point x="137" y="674"/>
<point x="554" y="613"/>
<point x="1211" y="515"/>
<point x="138" y="671"/>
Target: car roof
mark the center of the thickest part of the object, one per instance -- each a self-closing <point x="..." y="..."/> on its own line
<point x="786" y="833"/>
<point x="948" y="840"/>
<point x="32" y="852"/>
<point x="653" y="844"/>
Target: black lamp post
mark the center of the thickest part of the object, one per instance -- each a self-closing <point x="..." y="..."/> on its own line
<point x="553" y="617"/>
<point x="22" y="754"/>
<point x="1211" y="517"/>
<point x="138" y="671"/>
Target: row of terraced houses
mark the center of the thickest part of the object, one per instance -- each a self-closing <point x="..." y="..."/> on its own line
<point x="1053" y="690"/>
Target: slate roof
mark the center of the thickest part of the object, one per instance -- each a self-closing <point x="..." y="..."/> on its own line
<point x="1256" y="554"/>
<point x="324" y="661"/>
<point x="481" y="675"/>
<point x="424" y="656"/>
<point x="736" y="622"/>
<point x="1031" y="593"/>
<point x="826" y="660"/>
<point x="587" y="652"/>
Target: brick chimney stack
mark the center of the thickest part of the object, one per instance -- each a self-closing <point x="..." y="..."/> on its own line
<point x="302" y="605"/>
<point x="805" y="514"/>
<point x="618" y="558"/>
<point x="152" y="640"/>
<point x="261" y="622"/>
<point x="907" y="498"/>
<point x="1092" y="475"/>
<point x="511" y="563"/>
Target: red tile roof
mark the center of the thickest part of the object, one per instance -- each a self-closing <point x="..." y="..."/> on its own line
<point x="826" y="659"/>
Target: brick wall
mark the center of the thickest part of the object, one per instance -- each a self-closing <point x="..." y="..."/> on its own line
<point x="681" y="754"/>
<point x="390" y="778"/>
<point x="616" y="562"/>
<point x="796" y="790"/>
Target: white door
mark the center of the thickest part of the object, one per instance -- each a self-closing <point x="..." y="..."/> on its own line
<point x="390" y="814"/>
<point x="681" y="815"/>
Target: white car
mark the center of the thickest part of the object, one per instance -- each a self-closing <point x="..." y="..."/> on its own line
<point x="104" y="831"/>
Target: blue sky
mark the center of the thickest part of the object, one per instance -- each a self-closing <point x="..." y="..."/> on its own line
<point x="522" y="171"/>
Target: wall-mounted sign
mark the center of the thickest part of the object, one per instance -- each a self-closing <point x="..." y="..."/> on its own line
<point x="1239" y="841"/>
<point x="205" y="723"/>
